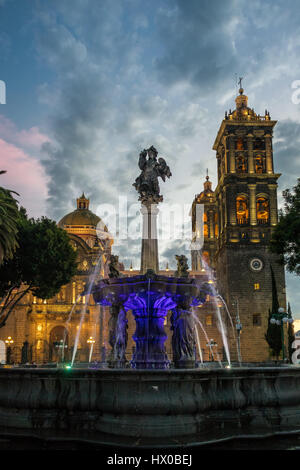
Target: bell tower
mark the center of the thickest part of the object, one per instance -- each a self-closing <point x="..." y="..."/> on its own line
<point x="246" y="198"/>
<point x="205" y="229"/>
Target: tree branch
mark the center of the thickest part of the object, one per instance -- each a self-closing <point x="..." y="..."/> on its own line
<point x="10" y="309"/>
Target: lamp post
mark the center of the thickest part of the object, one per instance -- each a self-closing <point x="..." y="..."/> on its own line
<point x="238" y="327"/>
<point x="9" y="342"/>
<point x="91" y="341"/>
<point x="211" y="344"/>
<point x="280" y="318"/>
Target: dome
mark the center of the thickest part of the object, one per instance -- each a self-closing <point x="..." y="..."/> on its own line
<point x="80" y="217"/>
<point x="84" y="223"/>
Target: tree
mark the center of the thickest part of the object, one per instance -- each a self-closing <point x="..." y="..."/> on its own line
<point x="291" y="335"/>
<point x="286" y="235"/>
<point x="43" y="262"/>
<point x="8" y="223"/>
<point x="273" y="335"/>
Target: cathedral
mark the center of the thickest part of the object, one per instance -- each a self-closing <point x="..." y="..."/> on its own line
<point x="238" y="218"/>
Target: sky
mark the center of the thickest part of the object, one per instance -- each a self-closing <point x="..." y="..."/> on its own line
<point x="90" y="83"/>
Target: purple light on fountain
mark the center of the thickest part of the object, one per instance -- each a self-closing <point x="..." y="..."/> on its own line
<point x="150" y="297"/>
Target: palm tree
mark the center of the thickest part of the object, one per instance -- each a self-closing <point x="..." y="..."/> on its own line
<point x="8" y="223"/>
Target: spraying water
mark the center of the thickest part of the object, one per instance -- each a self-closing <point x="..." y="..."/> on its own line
<point x="221" y="325"/>
<point x="233" y="329"/>
<point x="198" y="343"/>
<point x="69" y="319"/>
<point x="207" y="339"/>
<point x="83" y="310"/>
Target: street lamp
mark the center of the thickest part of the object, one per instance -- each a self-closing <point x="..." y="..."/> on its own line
<point x="211" y="344"/>
<point x="280" y="318"/>
<point x="9" y="342"/>
<point x="238" y="327"/>
<point x="91" y="341"/>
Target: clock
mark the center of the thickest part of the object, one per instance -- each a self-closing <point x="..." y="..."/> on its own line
<point x="256" y="264"/>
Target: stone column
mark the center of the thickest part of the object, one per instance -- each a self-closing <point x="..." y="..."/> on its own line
<point x="231" y="154"/>
<point x="210" y="214"/>
<point x="269" y="163"/>
<point x="221" y="219"/>
<point x="231" y="203"/>
<point x="149" y="256"/>
<point x="225" y="207"/>
<point x="273" y="204"/>
<point x="252" y="204"/>
<point x="250" y="153"/>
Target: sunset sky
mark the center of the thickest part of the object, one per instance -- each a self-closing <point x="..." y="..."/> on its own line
<point x="91" y="83"/>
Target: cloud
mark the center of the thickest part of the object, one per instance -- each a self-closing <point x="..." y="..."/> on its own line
<point x="31" y="139"/>
<point x="25" y="175"/>
<point x="198" y="42"/>
<point x="287" y="152"/>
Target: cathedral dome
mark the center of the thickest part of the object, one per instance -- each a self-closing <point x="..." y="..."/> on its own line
<point x="84" y="223"/>
<point x="79" y="217"/>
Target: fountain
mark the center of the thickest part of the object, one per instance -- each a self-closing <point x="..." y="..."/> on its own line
<point x="150" y="296"/>
<point x="145" y="402"/>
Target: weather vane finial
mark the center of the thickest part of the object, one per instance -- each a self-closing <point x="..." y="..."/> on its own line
<point x="240" y="81"/>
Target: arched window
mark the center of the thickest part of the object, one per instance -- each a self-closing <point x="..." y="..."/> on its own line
<point x="262" y="210"/>
<point x="259" y="144"/>
<point x="205" y="256"/>
<point x="216" y="225"/>
<point x="205" y="226"/>
<point x="259" y="164"/>
<point x="241" y="164"/>
<point x="242" y="211"/>
<point x="239" y="144"/>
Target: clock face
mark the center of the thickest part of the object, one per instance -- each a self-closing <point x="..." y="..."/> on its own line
<point x="256" y="264"/>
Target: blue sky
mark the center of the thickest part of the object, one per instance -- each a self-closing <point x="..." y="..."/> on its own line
<point x="92" y="82"/>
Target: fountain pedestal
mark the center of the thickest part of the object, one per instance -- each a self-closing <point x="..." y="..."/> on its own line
<point x="150" y="337"/>
<point x="150" y="297"/>
<point x="149" y="255"/>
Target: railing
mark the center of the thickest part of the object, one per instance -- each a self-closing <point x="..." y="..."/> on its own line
<point x="243" y="221"/>
<point x="262" y="221"/>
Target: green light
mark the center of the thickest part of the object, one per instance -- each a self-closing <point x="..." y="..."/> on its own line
<point x="68" y="367"/>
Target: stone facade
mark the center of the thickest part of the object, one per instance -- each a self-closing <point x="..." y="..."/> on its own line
<point x="40" y="325"/>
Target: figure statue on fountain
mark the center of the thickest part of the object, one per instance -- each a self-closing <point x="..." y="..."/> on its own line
<point x="113" y="266"/>
<point x="147" y="183"/>
<point x="183" y="339"/>
<point x="121" y="338"/>
<point x="182" y="266"/>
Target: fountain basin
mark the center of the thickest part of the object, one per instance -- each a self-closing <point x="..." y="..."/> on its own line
<point x="151" y="408"/>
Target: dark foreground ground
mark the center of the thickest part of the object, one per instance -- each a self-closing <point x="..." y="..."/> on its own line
<point x="12" y="443"/>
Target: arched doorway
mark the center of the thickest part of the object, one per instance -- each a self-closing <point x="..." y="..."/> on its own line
<point x="2" y="352"/>
<point x="59" y="344"/>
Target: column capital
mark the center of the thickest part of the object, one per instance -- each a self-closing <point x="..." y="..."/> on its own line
<point x="149" y="209"/>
